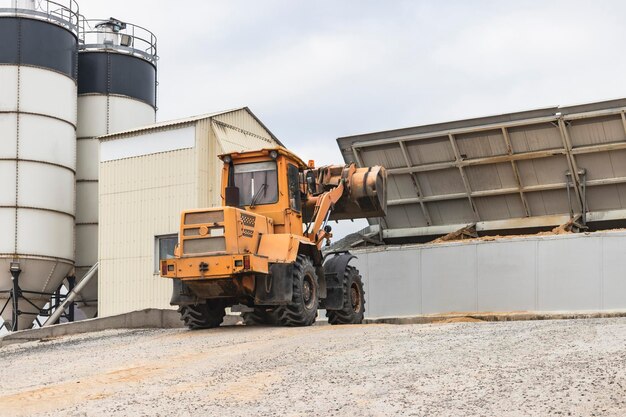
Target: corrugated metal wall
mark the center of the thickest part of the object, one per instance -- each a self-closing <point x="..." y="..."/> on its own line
<point x="247" y="134"/>
<point x="243" y="120"/>
<point x="577" y="272"/>
<point x="208" y="183"/>
<point x="140" y="198"/>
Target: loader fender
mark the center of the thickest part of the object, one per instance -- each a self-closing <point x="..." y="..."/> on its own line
<point x="334" y="268"/>
<point x="181" y="295"/>
<point x="275" y="288"/>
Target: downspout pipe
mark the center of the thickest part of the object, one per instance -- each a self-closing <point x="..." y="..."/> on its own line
<point x="71" y="296"/>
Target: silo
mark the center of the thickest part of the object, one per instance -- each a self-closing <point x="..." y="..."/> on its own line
<point x="116" y="91"/>
<point x="38" y="93"/>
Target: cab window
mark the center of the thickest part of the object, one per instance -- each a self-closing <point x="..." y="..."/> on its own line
<point x="294" y="188"/>
<point x="257" y="183"/>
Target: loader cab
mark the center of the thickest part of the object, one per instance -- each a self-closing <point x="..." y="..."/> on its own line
<point x="265" y="182"/>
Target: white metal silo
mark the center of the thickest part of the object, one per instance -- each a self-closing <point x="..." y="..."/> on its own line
<point x="38" y="103"/>
<point x="116" y="91"/>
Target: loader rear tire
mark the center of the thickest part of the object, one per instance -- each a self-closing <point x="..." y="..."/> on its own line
<point x="353" y="300"/>
<point x="302" y="311"/>
<point x="259" y="317"/>
<point x="202" y="316"/>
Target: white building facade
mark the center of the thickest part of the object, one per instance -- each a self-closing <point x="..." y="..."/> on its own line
<point x="148" y="176"/>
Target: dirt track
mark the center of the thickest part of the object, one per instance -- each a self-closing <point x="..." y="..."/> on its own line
<point x="506" y="369"/>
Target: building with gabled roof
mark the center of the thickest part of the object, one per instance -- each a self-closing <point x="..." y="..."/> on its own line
<point x="148" y="176"/>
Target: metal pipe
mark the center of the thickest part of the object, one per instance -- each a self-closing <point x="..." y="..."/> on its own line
<point x="71" y="296"/>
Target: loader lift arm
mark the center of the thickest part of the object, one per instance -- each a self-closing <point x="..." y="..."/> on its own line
<point x="323" y="207"/>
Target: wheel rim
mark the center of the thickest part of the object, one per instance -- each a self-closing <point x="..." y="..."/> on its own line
<point x="355" y="297"/>
<point x="308" y="292"/>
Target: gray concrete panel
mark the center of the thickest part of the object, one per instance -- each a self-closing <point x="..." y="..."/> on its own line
<point x="568" y="272"/>
<point x="448" y="278"/>
<point x="613" y="272"/>
<point x="395" y="289"/>
<point x="557" y="273"/>
<point x="506" y="276"/>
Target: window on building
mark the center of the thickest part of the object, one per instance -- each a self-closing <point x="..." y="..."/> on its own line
<point x="164" y="249"/>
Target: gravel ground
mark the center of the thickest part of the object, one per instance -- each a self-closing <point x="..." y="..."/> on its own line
<point x="575" y="367"/>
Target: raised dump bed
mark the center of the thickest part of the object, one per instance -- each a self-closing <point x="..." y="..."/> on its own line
<point x="524" y="171"/>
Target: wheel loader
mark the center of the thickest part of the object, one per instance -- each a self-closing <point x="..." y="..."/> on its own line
<point x="261" y="251"/>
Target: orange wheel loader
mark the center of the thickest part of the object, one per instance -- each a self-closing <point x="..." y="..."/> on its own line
<point x="261" y="251"/>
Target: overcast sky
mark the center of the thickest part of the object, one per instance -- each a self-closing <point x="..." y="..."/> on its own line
<point x="313" y="71"/>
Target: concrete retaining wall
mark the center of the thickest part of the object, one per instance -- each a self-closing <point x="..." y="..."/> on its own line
<point x="142" y="319"/>
<point x="574" y="272"/>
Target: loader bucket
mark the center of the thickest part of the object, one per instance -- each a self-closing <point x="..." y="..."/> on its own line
<point x="366" y="195"/>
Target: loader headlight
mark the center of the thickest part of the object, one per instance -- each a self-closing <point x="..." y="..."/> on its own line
<point x="273" y="154"/>
<point x="227" y="159"/>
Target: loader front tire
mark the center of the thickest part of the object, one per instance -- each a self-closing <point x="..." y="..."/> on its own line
<point x="353" y="300"/>
<point x="203" y="315"/>
<point x="302" y="311"/>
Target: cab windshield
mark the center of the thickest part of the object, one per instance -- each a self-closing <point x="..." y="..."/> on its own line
<point x="257" y="183"/>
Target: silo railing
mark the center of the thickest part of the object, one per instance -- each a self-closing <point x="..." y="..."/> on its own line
<point x="132" y="39"/>
<point x="64" y="14"/>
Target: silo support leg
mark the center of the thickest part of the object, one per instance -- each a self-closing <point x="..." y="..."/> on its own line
<point x="15" y="295"/>
<point x="71" y="282"/>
